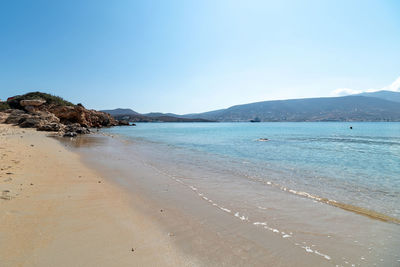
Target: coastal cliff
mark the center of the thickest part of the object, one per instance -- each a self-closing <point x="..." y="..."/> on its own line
<point x="46" y="112"/>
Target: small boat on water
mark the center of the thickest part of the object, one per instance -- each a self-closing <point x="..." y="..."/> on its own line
<point x="256" y="119"/>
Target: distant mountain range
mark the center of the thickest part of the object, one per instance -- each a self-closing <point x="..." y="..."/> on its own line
<point x="376" y="106"/>
<point x="133" y="116"/>
<point x="121" y="111"/>
<point x="387" y="95"/>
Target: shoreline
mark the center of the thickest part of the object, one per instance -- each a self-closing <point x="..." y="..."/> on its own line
<point x="372" y="214"/>
<point x="55" y="211"/>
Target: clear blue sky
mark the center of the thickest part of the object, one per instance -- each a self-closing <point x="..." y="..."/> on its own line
<point x="192" y="56"/>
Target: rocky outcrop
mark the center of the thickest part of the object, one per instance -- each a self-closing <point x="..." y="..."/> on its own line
<point x="66" y="119"/>
<point x="85" y="117"/>
<point x="17" y="116"/>
<point x="42" y="120"/>
<point x="31" y="105"/>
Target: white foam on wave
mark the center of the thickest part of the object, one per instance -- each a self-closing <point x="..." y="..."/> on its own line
<point x="321" y="254"/>
<point x="309" y="250"/>
<point x="193" y="188"/>
<point x="243" y="218"/>
<point x="264" y="224"/>
<point x="225" y="209"/>
<point x="272" y="229"/>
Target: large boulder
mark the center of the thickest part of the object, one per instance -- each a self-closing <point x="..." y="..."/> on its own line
<point x="17" y="116"/>
<point x="77" y="128"/>
<point x="123" y="123"/>
<point x="32" y="102"/>
<point x="47" y="116"/>
<point x="85" y="117"/>
<point x="31" y="122"/>
<point x="51" y="127"/>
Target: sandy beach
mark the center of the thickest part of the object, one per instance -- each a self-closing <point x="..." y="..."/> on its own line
<point x="54" y="211"/>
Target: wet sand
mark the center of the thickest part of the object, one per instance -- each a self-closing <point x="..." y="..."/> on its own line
<point x="55" y="211"/>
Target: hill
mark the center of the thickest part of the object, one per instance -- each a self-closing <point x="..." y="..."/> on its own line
<point x="347" y="108"/>
<point x="120" y="111"/>
<point x="132" y="116"/>
<point x="387" y="95"/>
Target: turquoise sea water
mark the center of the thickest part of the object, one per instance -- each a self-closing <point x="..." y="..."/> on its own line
<point x="359" y="166"/>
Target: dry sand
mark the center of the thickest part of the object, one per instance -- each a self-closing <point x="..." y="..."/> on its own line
<point x="55" y="211"/>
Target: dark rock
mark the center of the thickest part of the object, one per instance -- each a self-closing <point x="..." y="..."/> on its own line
<point x="123" y="123"/>
<point x="51" y="127"/>
<point x="32" y="122"/>
<point x="17" y="116"/>
<point x="70" y="134"/>
<point x="82" y="130"/>
<point x="77" y="128"/>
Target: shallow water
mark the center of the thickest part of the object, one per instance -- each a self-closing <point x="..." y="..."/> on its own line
<point x="256" y="204"/>
<point x="358" y="167"/>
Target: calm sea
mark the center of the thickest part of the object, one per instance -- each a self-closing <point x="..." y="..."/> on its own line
<point x="358" y="166"/>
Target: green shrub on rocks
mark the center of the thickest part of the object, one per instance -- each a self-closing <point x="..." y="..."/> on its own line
<point x="50" y="99"/>
<point x="4" y="106"/>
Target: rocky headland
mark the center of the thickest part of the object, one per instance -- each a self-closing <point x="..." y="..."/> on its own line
<point x="46" y="112"/>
